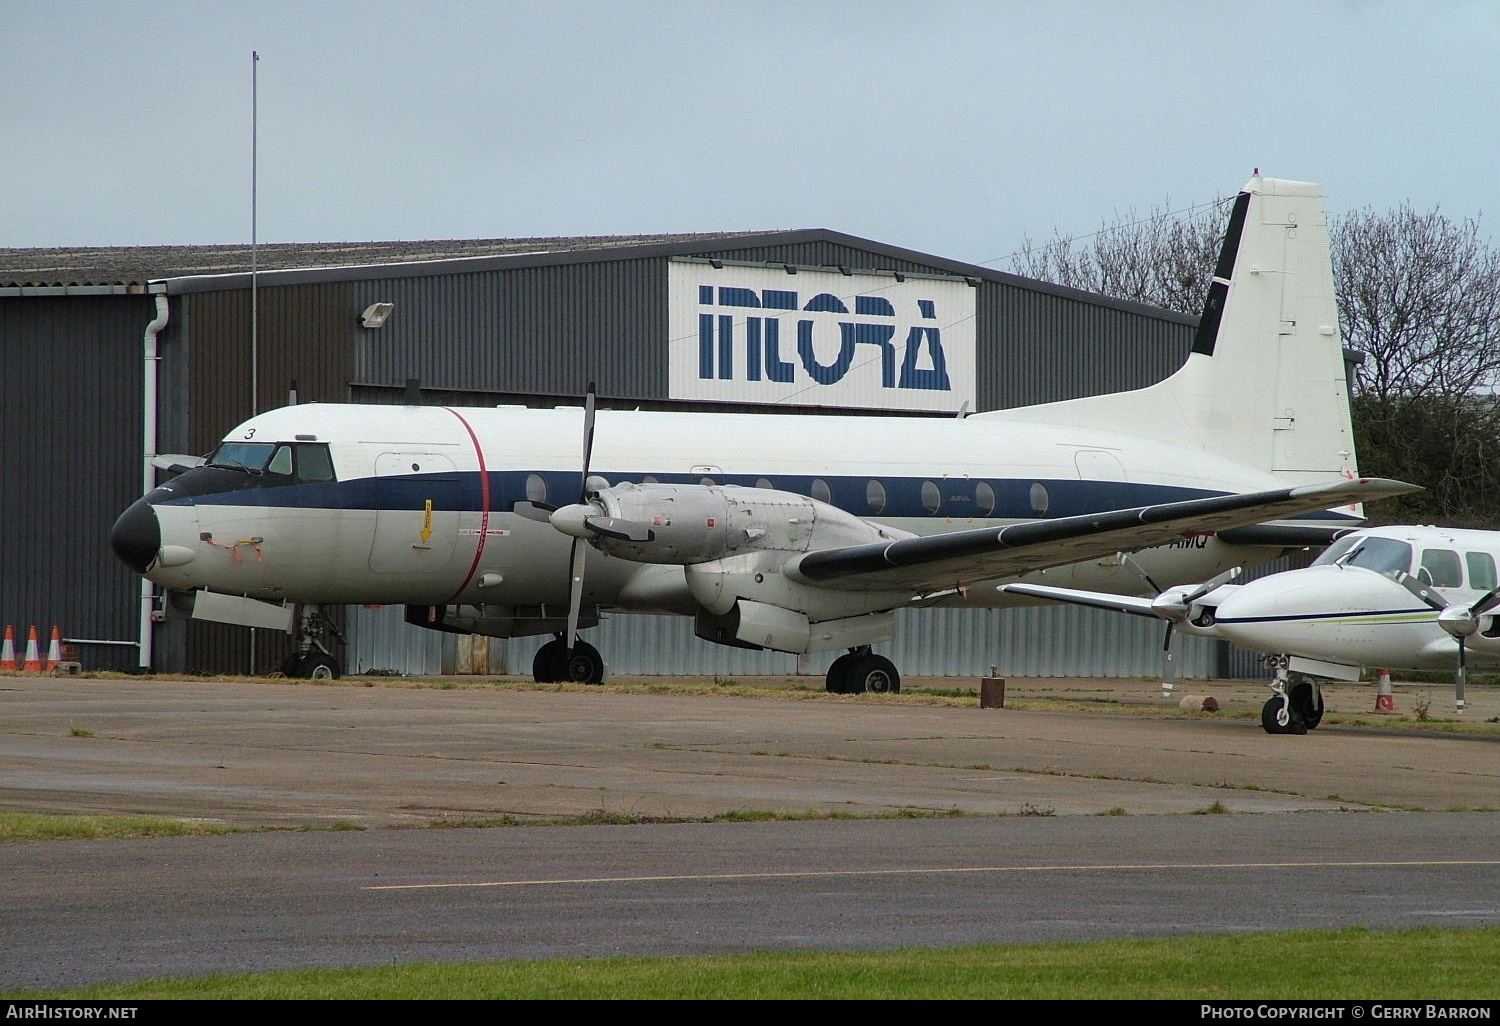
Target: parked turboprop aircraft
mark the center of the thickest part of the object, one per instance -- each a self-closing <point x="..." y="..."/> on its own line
<point x="1404" y="597"/>
<point x="792" y="533"/>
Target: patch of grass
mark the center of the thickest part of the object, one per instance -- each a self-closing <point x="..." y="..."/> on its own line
<point x="33" y="826"/>
<point x="1036" y="810"/>
<point x="81" y="732"/>
<point x="1216" y="809"/>
<point x="1353" y="964"/>
<point x="1118" y="810"/>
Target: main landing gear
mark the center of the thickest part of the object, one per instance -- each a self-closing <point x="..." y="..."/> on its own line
<point x="1295" y="708"/>
<point x="554" y="663"/>
<point x="311" y="660"/>
<point x="859" y="671"/>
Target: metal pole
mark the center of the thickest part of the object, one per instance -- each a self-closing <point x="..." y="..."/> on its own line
<point x="254" y="236"/>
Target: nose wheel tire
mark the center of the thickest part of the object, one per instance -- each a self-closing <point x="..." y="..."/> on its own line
<point x="1307" y="703"/>
<point x="311" y="666"/>
<point x="1280" y="716"/>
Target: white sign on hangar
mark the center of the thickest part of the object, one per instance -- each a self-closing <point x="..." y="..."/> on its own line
<point x="877" y="341"/>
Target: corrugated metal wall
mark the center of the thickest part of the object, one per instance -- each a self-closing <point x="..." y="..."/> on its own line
<point x="305" y="333"/>
<point x="1041" y="641"/>
<point x="70" y="448"/>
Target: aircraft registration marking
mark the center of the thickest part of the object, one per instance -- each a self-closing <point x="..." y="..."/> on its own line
<point x="939" y="870"/>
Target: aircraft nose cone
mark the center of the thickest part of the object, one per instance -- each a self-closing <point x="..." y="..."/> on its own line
<point x="136" y="536"/>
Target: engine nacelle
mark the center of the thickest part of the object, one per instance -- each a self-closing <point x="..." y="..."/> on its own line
<point x="691" y="523"/>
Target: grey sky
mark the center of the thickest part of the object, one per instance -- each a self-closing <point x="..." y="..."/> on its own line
<point x="950" y="126"/>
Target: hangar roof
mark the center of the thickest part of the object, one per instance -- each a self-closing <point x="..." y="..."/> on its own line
<point x="137" y="265"/>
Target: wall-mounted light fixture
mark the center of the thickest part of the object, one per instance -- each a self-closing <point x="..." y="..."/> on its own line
<point x="375" y="314"/>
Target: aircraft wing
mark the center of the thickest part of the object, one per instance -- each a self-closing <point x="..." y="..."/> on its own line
<point x="1095" y="599"/>
<point x="937" y="562"/>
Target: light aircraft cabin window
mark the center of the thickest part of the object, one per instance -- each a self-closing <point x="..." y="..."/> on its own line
<point x="1383" y="555"/>
<point x="875" y="496"/>
<point x="536" y="488"/>
<point x="1481" y="570"/>
<point x="1040" y="500"/>
<point x="932" y="497"/>
<point x="984" y="498"/>
<point x="821" y="491"/>
<point x="1441" y="568"/>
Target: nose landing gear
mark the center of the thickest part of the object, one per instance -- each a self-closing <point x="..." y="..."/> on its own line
<point x="311" y="660"/>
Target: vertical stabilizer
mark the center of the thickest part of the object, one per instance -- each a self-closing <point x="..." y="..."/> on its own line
<point x="1265" y="382"/>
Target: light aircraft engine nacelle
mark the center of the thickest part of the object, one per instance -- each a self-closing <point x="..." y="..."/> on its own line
<point x="684" y="524"/>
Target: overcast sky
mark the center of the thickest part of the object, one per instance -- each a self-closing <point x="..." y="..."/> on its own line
<point x="954" y="127"/>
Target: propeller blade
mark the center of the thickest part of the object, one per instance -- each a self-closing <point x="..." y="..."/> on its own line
<point x="1208" y="586"/>
<point x="1486" y="602"/>
<point x="1425" y="592"/>
<point x="541" y="512"/>
<point x="575" y="590"/>
<point x="1140" y="572"/>
<point x="588" y="442"/>
<point x="1168" y="661"/>
<point x="1461" y="676"/>
<point x="615" y="527"/>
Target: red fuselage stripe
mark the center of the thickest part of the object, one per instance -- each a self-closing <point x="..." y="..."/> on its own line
<point x="484" y="506"/>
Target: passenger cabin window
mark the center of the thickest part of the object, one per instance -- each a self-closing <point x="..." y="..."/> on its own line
<point x="932" y="497"/>
<point x="820" y="490"/>
<point x="984" y="498"/>
<point x="875" y="496"/>
<point x="1441" y="568"/>
<point x="1481" y="570"/>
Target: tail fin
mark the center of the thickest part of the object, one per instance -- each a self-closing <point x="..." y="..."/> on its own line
<point x="1265" y="383"/>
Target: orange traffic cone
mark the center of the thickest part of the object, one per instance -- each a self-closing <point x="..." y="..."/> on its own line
<point x="54" y="650"/>
<point x="1385" y="702"/>
<point x="33" y="657"/>
<point x="8" y="651"/>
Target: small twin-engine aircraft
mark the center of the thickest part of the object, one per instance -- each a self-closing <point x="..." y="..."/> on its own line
<point x="1412" y="598"/>
<point x="791" y="533"/>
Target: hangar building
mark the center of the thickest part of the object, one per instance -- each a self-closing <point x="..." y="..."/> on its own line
<point x="114" y="356"/>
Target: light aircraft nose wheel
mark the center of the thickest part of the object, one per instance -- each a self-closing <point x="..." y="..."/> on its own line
<point x="1279" y="716"/>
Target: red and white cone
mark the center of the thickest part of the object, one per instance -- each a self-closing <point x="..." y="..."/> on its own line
<point x="33" y="662"/>
<point x="1385" y="702"/>
<point x="54" y="650"/>
<point x="8" y="651"/>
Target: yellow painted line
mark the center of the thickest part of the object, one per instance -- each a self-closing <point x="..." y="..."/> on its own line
<point x="932" y="872"/>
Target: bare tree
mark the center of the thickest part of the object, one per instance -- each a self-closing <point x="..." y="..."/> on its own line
<point x="1418" y="294"/>
<point x="1165" y="258"/>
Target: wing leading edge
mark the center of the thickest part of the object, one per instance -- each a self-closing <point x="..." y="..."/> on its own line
<point x="932" y="562"/>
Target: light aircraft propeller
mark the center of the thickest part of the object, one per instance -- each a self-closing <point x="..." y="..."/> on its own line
<point x="1175" y="606"/>
<point x="1459" y="620"/>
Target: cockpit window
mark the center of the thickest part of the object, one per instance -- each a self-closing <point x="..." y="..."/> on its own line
<point x="281" y="462"/>
<point x="1383" y="555"/>
<point x="1334" y="552"/>
<point x="242" y="455"/>
<point x="284" y="463"/>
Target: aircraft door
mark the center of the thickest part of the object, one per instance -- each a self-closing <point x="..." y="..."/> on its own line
<point x="416" y="512"/>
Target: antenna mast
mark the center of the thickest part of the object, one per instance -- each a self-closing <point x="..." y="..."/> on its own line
<point x="254" y="237"/>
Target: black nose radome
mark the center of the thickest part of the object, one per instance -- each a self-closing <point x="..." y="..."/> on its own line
<point x="136" y="536"/>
